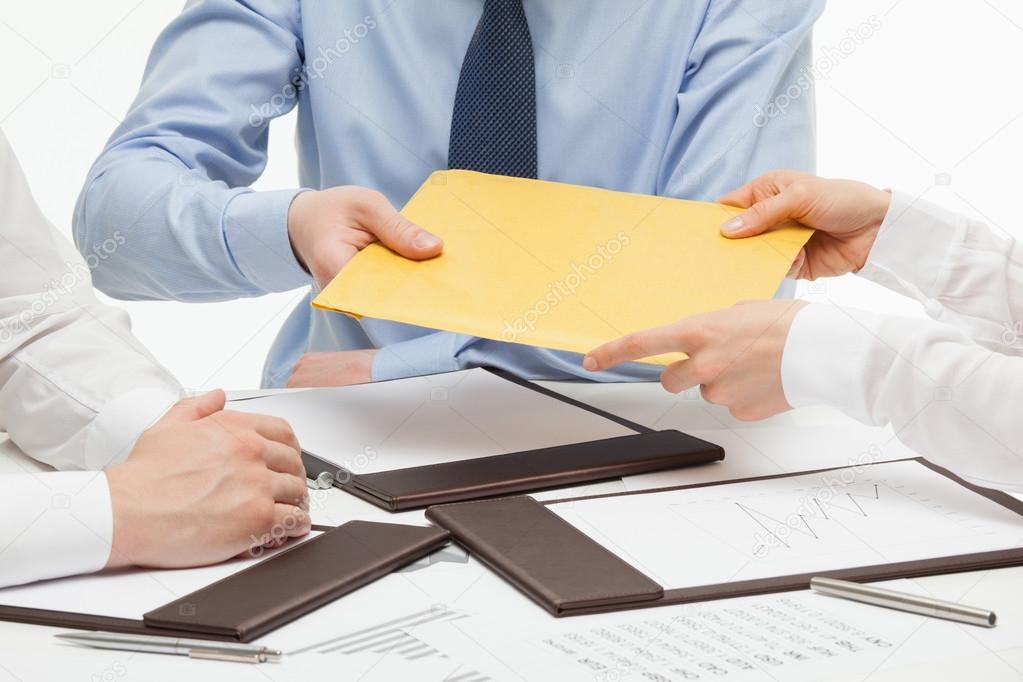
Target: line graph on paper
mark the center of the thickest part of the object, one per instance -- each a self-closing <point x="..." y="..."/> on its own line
<point x="809" y="520"/>
<point x="878" y="514"/>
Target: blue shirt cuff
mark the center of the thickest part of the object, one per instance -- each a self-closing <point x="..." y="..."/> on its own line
<point x="255" y="228"/>
<point x="430" y="354"/>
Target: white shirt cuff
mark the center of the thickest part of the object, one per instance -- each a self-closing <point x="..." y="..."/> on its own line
<point x="829" y="356"/>
<point x="256" y="231"/>
<point x="55" y="524"/>
<point x="913" y="245"/>
<point x="119" y="424"/>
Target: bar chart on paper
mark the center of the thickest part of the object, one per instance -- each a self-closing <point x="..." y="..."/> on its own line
<point x="842" y="518"/>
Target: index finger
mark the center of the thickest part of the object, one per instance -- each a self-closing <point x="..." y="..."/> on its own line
<point x="671" y="338"/>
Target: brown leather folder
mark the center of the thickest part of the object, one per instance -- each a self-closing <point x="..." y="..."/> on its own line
<point x="645" y="451"/>
<point x="263" y="597"/>
<point x="568" y="573"/>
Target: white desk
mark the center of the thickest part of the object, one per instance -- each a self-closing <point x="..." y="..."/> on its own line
<point x="30" y="652"/>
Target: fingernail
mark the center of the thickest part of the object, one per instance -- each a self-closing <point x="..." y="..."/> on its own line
<point x="589" y="364"/>
<point x="732" y="226"/>
<point x="425" y="240"/>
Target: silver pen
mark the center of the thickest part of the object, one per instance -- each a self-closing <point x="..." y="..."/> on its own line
<point x="903" y="601"/>
<point x="193" y="648"/>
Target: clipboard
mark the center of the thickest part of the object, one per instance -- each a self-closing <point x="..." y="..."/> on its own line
<point x="567" y="572"/>
<point x="269" y="594"/>
<point x="641" y="450"/>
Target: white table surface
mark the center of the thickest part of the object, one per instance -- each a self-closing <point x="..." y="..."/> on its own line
<point x="30" y="652"/>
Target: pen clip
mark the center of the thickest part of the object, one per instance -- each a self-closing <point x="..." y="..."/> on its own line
<point x="214" y="654"/>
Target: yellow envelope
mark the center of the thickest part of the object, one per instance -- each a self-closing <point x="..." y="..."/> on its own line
<point x="559" y="266"/>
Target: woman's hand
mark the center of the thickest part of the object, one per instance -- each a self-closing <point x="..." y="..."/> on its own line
<point x="846" y="214"/>
<point x="734" y="355"/>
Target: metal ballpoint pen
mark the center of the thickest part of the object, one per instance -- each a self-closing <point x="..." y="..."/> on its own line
<point x="903" y="601"/>
<point x="193" y="648"/>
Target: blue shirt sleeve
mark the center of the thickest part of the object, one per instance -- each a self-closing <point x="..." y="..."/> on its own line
<point x="746" y="101"/>
<point x="171" y="185"/>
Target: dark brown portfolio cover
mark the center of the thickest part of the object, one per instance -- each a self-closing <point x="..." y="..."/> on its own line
<point x="644" y="451"/>
<point x="568" y="573"/>
<point x="532" y="470"/>
<point x="265" y="596"/>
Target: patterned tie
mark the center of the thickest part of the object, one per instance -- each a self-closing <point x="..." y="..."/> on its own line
<point x="493" y="126"/>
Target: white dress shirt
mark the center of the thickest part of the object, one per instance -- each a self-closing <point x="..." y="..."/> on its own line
<point x="76" y="391"/>
<point x="950" y="386"/>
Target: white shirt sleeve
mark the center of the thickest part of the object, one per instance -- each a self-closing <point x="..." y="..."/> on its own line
<point x="56" y="523"/>
<point x="942" y="384"/>
<point x="959" y="269"/>
<point x="76" y="388"/>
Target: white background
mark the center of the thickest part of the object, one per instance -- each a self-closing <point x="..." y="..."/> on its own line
<point x="930" y="103"/>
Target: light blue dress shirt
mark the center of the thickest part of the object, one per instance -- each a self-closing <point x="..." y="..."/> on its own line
<point x="669" y="97"/>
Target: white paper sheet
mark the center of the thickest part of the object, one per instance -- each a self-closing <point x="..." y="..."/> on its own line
<point x="127" y="593"/>
<point x="799" y="443"/>
<point x="794" y="637"/>
<point x="428" y="420"/>
<point x="877" y="514"/>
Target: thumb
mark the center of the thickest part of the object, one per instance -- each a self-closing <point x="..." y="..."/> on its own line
<point x="398" y="233"/>
<point x="198" y="407"/>
<point x="762" y="216"/>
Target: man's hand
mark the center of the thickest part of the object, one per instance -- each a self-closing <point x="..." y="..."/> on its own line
<point x="327" y="228"/>
<point x="845" y="213"/>
<point x="734" y="355"/>
<point x="203" y="485"/>
<point x="340" y="368"/>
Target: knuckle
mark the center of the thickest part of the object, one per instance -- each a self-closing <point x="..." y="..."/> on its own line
<point x="702" y="371"/>
<point x="261" y="512"/>
<point x="371" y="196"/>
<point x="743" y="413"/>
<point x="287" y="432"/>
<point x="249" y="446"/>
<point x="699" y="330"/>
<point x="228" y="418"/>
<point x="800" y="190"/>
<point x="320" y="264"/>
<point x="758" y="212"/>
<point x="295" y="460"/>
<point x="633" y="346"/>
<point x="402" y="228"/>
<point x="712" y="393"/>
<point x="366" y="202"/>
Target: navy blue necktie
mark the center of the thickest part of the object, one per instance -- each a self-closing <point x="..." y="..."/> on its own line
<point x="493" y="125"/>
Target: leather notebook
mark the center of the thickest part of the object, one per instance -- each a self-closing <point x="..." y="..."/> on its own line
<point x="275" y="591"/>
<point x="579" y="568"/>
<point x="643" y="450"/>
